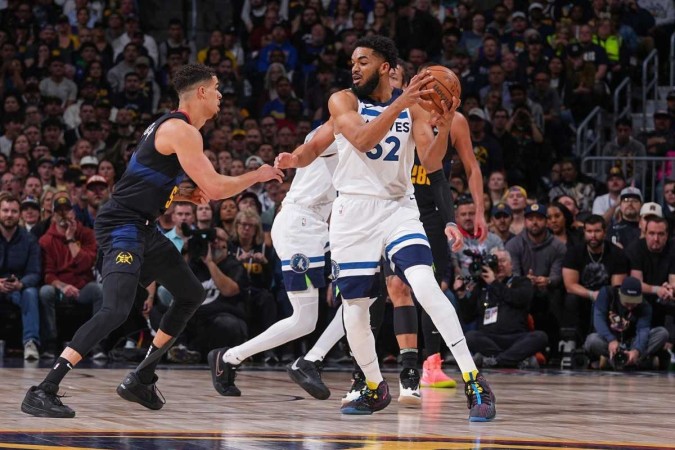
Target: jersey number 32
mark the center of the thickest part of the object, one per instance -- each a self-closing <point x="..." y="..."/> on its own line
<point x="392" y="152"/>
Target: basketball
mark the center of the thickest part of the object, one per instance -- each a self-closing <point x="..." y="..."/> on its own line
<point x="445" y="84"/>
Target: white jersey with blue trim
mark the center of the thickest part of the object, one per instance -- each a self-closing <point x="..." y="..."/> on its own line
<point x="312" y="186"/>
<point x="384" y="171"/>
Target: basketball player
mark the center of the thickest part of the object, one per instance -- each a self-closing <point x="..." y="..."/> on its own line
<point x="376" y="131"/>
<point x="300" y="236"/>
<point x="133" y="249"/>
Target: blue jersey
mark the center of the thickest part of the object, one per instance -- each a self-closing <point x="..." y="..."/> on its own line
<point x="151" y="179"/>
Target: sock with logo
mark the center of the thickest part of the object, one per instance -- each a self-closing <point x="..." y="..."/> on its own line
<point x="54" y="377"/>
<point x="409" y="358"/>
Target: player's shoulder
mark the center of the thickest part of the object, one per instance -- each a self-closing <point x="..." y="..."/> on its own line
<point x="176" y="128"/>
<point x="345" y="95"/>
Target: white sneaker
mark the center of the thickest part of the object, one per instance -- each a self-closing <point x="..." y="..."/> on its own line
<point x="358" y="383"/>
<point x="30" y="351"/>
<point x="409" y="388"/>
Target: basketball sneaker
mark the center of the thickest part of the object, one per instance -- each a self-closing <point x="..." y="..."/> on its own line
<point x="369" y="401"/>
<point x="180" y="354"/>
<point x="409" y="388"/>
<point x="358" y="383"/>
<point x="44" y="402"/>
<point x="433" y="376"/>
<point x="307" y="375"/>
<point x="479" y="399"/>
<point x="134" y="390"/>
<point x="222" y="373"/>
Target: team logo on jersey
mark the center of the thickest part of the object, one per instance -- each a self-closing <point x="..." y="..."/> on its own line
<point x="299" y="263"/>
<point x="334" y="270"/>
<point x="124" y="258"/>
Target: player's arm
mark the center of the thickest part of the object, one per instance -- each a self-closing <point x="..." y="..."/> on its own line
<point x="343" y="107"/>
<point x="305" y="154"/>
<point x="176" y="136"/>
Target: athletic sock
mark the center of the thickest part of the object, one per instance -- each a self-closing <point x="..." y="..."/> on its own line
<point x="147" y="372"/>
<point x="409" y="358"/>
<point x="330" y="336"/>
<point x="469" y="376"/>
<point x="54" y="377"/>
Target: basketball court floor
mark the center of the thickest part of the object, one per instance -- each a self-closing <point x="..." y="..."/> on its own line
<point x="536" y="410"/>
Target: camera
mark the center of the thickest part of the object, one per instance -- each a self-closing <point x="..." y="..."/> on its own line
<point x="198" y="245"/>
<point x="478" y="260"/>
<point x="620" y="358"/>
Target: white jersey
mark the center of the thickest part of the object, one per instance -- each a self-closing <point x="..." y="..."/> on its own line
<point x="384" y="171"/>
<point x="312" y="186"/>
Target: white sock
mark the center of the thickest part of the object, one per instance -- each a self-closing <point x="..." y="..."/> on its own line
<point x="361" y="340"/>
<point x="331" y="335"/>
<point x="442" y="313"/>
<point x="300" y="323"/>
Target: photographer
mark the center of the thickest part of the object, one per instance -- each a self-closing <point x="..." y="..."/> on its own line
<point x="220" y="320"/>
<point x="622" y="320"/>
<point x="501" y="309"/>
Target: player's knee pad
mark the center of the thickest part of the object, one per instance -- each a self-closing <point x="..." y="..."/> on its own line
<point x="356" y="314"/>
<point x="405" y="320"/>
<point x="427" y="291"/>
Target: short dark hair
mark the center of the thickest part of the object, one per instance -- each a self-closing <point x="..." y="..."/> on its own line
<point x="624" y="121"/>
<point x="382" y="46"/>
<point x="595" y="219"/>
<point x="191" y="74"/>
<point x="656" y="219"/>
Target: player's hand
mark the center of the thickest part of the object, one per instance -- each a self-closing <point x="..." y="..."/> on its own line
<point x="267" y="173"/>
<point x="286" y="161"/>
<point x="192" y="195"/>
<point x="417" y="87"/>
<point x="455" y="238"/>
<point x="444" y="121"/>
<point x="480" y="228"/>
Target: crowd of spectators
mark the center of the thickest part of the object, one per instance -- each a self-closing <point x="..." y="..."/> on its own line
<point x="80" y="80"/>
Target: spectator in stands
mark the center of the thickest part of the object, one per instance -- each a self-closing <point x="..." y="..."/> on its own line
<point x="30" y="212"/>
<point x="622" y="320"/>
<point x="69" y="254"/>
<point x="176" y="39"/>
<point x="502" y="338"/>
<point x="204" y="216"/>
<point x="652" y="261"/>
<point x="606" y="205"/>
<point x="20" y="273"/>
<point x="516" y="199"/>
<point x="97" y="193"/>
<point x="485" y="147"/>
<point x="12" y="184"/>
<point x="627" y="229"/>
<point x="496" y="186"/>
<point x="182" y="213"/>
<point x="559" y="221"/>
<point x="466" y="218"/>
<point x="588" y="268"/>
<point x="32" y="186"/>
<point x="537" y="255"/>
<point x="226" y="213"/>
<point x="116" y="75"/>
<point x="648" y="210"/>
<point x="132" y="96"/>
<point x="501" y="218"/>
<point x="131" y="28"/>
<point x="573" y="186"/>
<point x="57" y="85"/>
<point x="12" y="124"/>
<point x="661" y="140"/>
<point x="625" y="147"/>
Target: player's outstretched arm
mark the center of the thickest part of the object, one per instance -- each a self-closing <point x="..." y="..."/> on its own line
<point x="184" y="140"/>
<point x="461" y="140"/>
<point x="343" y="106"/>
<point x="305" y="154"/>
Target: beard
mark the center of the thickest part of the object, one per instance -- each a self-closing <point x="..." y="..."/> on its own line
<point x="368" y="86"/>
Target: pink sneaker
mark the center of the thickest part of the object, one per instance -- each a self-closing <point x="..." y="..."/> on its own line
<point x="433" y="376"/>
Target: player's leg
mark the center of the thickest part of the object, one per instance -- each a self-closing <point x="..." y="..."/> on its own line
<point x="121" y="263"/>
<point x="164" y="264"/>
<point x="405" y="329"/>
<point x="408" y="248"/>
<point x="356" y="243"/>
<point x="301" y="249"/>
<point x="432" y="374"/>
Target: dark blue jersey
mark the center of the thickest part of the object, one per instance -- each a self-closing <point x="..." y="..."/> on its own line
<point x="422" y="185"/>
<point x="151" y="179"/>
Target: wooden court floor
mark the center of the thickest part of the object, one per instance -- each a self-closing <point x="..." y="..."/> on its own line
<point x="536" y="410"/>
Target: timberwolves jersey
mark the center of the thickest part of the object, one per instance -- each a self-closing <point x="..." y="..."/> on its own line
<point x="384" y="171"/>
<point x="151" y="179"/>
<point x="312" y="186"/>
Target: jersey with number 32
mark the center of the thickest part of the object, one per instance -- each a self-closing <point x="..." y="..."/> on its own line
<point x="384" y="171"/>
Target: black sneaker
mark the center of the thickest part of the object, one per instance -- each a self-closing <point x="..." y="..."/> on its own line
<point x="358" y="384"/>
<point x="307" y="375"/>
<point x="409" y="388"/>
<point x="369" y="401"/>
<point x="180" y="354"/>
<point x="480" y="400"/>
<point x="40" y="402"/>
<point x="134" y="390"/>
<point x="222" y="373"/>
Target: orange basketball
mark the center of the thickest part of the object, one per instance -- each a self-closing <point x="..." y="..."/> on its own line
<point x="445" y="84"/>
